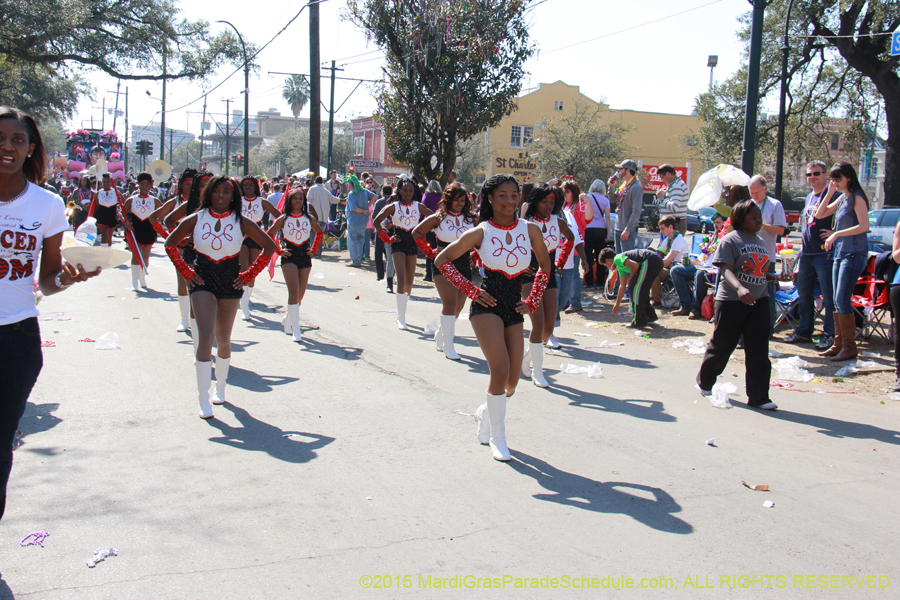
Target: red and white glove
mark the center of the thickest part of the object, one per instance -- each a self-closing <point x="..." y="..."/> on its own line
<point x="564" y="254"/>
<point x="385" y="237"/>
<point x="426" y="248"/>
<point x="182" y="267"/>
<point x="255" y="269"/>
<point x="317" y="241"/>
<point x="158" y="228"/>
<point x="533" y="301"/>
<point x="455" y="277"/>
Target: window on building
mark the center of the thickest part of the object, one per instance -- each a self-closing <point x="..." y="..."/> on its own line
<point x="515" y="139"/>
<point x="835" y="141"/>
<point x="527" y="136"/>
<point x="558" y="105"/>
<point x="359" y="146"/>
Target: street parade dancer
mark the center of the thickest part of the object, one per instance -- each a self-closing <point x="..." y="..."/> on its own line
<point x="543" y="208"/>
<point x="137" y="210"/>
<point x="215" y="279"/>
<point x="253" y="207"/>
<point x="454" y="217"/>
<point x="295" y="226"/>
<point x="504" y="242"/>
<point x="404" y="213"/>
<point x="104" y="208"/>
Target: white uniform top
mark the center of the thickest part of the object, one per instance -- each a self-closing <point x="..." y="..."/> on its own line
<point x="406" y="217"/>
<point x="107" y="198"/>
<point x="506" y="250"/>
<point x="142" y="206"/>
<point x="253" y="209"/>
<point x="221" y="244"/>
<point x="550" y="231"/>
<point x="453" y="226"/>
<point x="296" y="229"/>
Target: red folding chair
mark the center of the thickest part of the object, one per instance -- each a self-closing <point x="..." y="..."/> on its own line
<point x="872" y="303"/>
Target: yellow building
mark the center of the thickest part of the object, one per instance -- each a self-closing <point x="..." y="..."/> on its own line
<point x="658" y="138"/>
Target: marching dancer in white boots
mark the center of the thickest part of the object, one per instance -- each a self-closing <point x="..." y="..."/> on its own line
<point x="504" y="243"/>
<point x="454" y="217"/>
<point x="104" y="208"/>
<point x="137" y="211"/>
<point x="405" y="214"/>
<point x="295" y="226"/>
<point x="180" y="197"/>
<point x="542" y="209"/>
<point x="253" y="207"/>
<point x="216" y="280"/>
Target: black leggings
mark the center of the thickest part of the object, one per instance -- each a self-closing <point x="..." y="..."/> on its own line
<point x="594" y="242"/>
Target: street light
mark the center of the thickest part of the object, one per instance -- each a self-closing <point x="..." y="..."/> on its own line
<point x="162" y="126"/>
<point x="246" y="97"/>
<point x="711" y="62"/>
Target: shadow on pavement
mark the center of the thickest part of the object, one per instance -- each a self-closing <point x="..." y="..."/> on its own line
<point x="37" y="419"/>
<point x="316" y="347"/>
<point x="5" y="592"/>
<point x="254" y="382"/>
<point x="832" y="427"/>
<point x="652" y="410"/>
<point x="605" y="497"/>
<point x="256" y="436"/>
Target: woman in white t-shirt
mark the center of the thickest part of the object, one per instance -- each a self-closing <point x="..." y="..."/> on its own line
<point x="32" y="222"/>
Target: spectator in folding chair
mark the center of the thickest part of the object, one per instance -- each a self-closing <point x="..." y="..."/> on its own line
<point x="674" y="249"/>
<point x="684" y="274"/>
<point x="815" y="262"/>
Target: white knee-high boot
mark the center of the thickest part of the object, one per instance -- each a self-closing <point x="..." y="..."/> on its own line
<point x="143" y="276"/>
<point x="448" y="329"/>
<point x="195" y="336"/>
<point x="294" y="312"/>
<point x="496" y="406"/>
<point x="222" y="365"/>
<point x="245" y="304"/>
<point x="537" y="365"/>
<point x="439" y="336"/>
<point x="402" y="301"/>
<point x="204" y="378"/>
<point x="135" y="277"/>
<point x="484" y="424"/>
<point x="526" y="362"/>
<point x="286" y="319"/>
<point x="184" y="305"/>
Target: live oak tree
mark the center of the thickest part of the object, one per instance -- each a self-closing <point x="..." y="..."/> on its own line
<point x="54" y="39"/>
<point x="453" y="70"/>
<point x="291" y="150"/>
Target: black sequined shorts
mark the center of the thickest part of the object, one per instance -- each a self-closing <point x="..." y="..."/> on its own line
<point x="143" y="230"/>
<point x="106" y="216"/>
<point x="187" y="252"/>
<point x="298" y="257"/>
<point x="218" y="278"/>
<point x="463" y="264"/>
<point x="507" y="292"/>
<point x="551" y="285"/>
<point x="406" y="245"/>
<point x="248" y="241"/>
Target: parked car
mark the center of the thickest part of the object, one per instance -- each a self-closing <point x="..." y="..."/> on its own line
<point x="881" y="225"/>
<point x="701" y="221"/>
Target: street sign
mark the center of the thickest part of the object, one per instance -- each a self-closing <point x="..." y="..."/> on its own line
<point x="895" y="44"/>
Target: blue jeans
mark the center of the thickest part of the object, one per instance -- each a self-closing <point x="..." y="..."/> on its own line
<point x="682" y="276"/>
<point x="845" y="272"/>
<point x="563" y="285"/>
<point x="367" y="244"/>
<point x="356" y="237"/>
<point x="813" y="268"/>
<point x="576" y="284"/>
<point x="625" y="245"/>
<point x="20" y="363"/>
<point x="701" y="287"/>
<point x="771" y="286"/>
<point x="332" y="212"/>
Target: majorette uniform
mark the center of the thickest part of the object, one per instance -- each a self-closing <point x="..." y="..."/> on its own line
<point x="404" y="220"/>
<point x="448" y="231"/>
<point x="105" y="211"/>
<point x="141" y="207"/>
<point x="552" y="235"/>
<point x="217" y="243"/>
<point x="295" y="234"/>
<point x="505" y="253"/>
<point x="253" y="210"/>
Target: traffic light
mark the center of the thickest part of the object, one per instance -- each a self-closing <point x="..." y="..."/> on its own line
<point x="149" y="147"/>
<point x="140" y="147"/>
<point x="239" y="160"/>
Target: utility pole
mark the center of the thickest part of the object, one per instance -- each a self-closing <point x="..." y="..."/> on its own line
<point x="227" y="169"/>
<point x="748" y="152"/>
<point x="126" y="132"/>
<point x="162" y="127"/>
<point x="782" y="115"/>
<point x="103" y="115"/>
<point x="116" y="109"/>
<point x="170" y="145"/>
<point x="246" y="98"/>
<point x="315" y="91"/>
<point x="202" y="125"/>
<point x="331" y="119"/>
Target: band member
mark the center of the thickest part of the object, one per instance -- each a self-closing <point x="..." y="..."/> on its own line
<point x="104" y="208"/>
<point x="295" y="226"/>
<point x="253" y="207"/>
<point x="505" y="243"/>
<point x="405" y="214"/>
<point x="453" y="218"/>
<point x="216" y="280"/>
<point x="137" y="210"/>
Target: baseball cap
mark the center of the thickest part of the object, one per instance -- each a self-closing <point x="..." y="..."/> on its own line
<point x="627" y="164"/>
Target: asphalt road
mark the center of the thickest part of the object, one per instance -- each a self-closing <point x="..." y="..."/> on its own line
<point x="342" y="465"/>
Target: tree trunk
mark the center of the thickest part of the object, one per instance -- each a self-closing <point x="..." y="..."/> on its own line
<point x="892" y="146"/>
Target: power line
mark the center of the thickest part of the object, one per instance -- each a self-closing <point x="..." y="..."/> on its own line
<point x="629" y="28"/>
<point x="358" y="55"/>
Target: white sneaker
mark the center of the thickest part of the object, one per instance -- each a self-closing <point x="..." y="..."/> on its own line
<point x="553" y="343"/>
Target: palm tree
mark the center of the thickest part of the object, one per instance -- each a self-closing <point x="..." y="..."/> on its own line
<point x="296" y="92"/>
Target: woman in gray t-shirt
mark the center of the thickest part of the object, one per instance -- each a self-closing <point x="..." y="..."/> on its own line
<point x="742" y="260"/>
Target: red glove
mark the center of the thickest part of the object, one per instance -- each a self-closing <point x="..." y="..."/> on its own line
<point x="278" y="249"/>
<point x="455" y="277"/>
<point x="384" y="237"/>
<point x="426" y="248"/>
<point x="182" y="267"/>
<point x="476" y="259"/>
<point x="537" y="290"/>
<point x="564" y="254"/>
<point x="317" y="241"/>
<point x="158" y="228"/>
<point x="255" y="269"/>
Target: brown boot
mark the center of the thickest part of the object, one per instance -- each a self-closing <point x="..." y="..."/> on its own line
<point x="838" y="338"/>
<point x="848" y="331"/>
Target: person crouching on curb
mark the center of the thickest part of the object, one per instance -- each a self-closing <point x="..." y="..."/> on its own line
<point x="642" y="266"/>
<point x="742" y="307"/>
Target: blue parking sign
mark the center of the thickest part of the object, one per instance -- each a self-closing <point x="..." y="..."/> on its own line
<point x="895" y="44"/>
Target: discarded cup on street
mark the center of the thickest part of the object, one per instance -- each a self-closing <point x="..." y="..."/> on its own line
<point x="720" y="393"/>
<point x="572" y="369"/>
<point x="108" y="341"/>
<point x="596" y="371"/>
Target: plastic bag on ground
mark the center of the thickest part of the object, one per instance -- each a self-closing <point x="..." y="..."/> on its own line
<point x="432" y="328"/>
<point x="791" y="369"/>
<point x="572" y="369"/>
<point x="108" y="341"/>
<point x="596" y="371"/>
<point x="845" y="371"/>
<point x="319" y="276"/>
<point x="720" y="393"/>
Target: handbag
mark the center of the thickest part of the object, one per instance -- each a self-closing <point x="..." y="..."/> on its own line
<point x="708" y="307"/>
